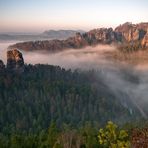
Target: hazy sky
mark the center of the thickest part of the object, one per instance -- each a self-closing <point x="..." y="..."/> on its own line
<point x="39" y="15"/>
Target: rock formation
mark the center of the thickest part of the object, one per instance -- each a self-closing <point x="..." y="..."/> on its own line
<point x="2" y="66"/>
<point x="131" y="32"/>
<point x="145" y="40"/>
<point x="101" y="35"/>
<point x="127" y="33"/>
<point x="15" y="60"/>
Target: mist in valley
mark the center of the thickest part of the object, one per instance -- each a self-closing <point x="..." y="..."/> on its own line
<point x="127" y="82"/>
<point x="86" y="58"/>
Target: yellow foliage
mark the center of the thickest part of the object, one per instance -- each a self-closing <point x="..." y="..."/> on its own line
<point x="112" y="137"/>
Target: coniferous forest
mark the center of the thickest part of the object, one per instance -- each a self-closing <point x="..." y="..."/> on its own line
<point x="74" y="74"/>
<point x="48" y="106"/>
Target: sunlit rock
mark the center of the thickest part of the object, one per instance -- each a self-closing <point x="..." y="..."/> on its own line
<point x="15" y="60"/>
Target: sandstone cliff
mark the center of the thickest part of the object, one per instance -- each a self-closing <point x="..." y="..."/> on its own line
<point x="132" y="32"/>
<point x="127" y="33"/>
<point x="93" y="37"/>
<point x="145" y="40"/>
<point x="15" y="60"/>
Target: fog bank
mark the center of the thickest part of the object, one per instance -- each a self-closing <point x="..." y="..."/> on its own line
<point x="87" y="58"/>
<point x="127" y="82"/>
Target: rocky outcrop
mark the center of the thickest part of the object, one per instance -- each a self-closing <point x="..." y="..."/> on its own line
<point x="93" y="37"/>
<point x="145" y="40"/>
<point x="2" y="66"/>
<point x="127" y="33"/>
<point x="15" y="60"/>
<point x="132" y="32"/>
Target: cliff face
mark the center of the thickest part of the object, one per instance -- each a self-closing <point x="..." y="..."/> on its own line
<point x="102" y="35"/>
<point x="126" y="33"/>
<point x="131" y="32"/>
<point x="145" y="40"/>
<point x="93" y="37"/>
<point x="15" y="60"/>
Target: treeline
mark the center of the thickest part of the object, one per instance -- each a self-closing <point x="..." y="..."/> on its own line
<point x="86" y="136"/>
<point x="50" y="107"/>
<point x="44" y="93"/>
<point x="67" y="137"/>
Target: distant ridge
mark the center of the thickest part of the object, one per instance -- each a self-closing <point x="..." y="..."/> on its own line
<point x="125" y="34"/>
<point x="48" y="34"/>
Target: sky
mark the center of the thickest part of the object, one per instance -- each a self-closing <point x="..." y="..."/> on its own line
<point x="40" y="15"/>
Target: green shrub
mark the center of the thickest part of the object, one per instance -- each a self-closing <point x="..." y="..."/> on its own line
<point x="112" y="137"/>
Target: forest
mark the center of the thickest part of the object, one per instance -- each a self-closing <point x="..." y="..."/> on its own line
<point x="48" y="106"/>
